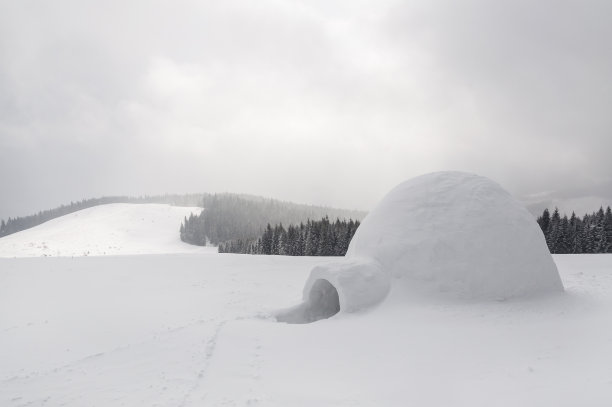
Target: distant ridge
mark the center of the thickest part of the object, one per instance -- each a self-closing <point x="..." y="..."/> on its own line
<point x="17" y="224"/>
<point x="298" y="211"/>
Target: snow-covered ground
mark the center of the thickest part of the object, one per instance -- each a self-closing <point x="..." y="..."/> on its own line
<point x="105" y="230"/>
<point x="192" y="330"/>
<point x="191" y="327"/>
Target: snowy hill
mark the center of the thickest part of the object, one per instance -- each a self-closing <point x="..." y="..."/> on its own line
<point x="113" y="229"/>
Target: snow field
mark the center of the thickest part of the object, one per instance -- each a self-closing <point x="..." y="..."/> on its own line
<point x="134" y="330"/>
<point x="194" y="330"/>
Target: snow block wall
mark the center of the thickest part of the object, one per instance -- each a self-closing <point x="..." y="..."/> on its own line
<point x="448" y="232"/>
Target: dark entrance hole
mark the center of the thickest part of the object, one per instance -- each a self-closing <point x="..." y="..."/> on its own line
<point x="323" y="302"/>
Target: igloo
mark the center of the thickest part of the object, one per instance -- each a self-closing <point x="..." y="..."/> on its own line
<point x="450" y="233"/>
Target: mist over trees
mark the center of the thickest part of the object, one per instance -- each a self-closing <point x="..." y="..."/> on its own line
<point x="230" y="217"/>
<point x="227" y="216"/>
<point x="17" y="224"/>
<point x="240" y="223"/>
<point x="313" y="238"/>
<point x="589" y="234"/>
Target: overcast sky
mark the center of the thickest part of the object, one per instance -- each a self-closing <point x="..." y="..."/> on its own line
<point x="325" y="102"/>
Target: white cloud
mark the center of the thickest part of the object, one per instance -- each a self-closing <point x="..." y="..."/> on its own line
<point x="326" y="102"/>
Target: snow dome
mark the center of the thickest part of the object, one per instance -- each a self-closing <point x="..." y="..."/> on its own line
<point x="447" y="232"/>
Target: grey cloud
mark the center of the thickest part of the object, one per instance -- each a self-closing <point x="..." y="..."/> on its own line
<point x="537" y="73"/>
<point x="322" y="102"/>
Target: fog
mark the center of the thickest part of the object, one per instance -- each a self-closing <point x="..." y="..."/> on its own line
<point x="323" y="102"/>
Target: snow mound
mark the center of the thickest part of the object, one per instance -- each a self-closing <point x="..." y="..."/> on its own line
<point x="113" y="229"/>
<point x="449" y="232"/>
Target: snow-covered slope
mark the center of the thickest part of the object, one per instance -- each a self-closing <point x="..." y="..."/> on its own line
<point x="191" y="330"/>
<point x="111" y="229"/>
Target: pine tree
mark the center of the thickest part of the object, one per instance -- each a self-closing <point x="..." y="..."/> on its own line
<point x="282" y="241"/>
<point x="299" y="249"/>
<point x="554" y="232"/>
<point x="608" y="228"/>
<point x="600" y="235"/>
<point x="267" y="243"/>
<point x="575" y="235"/>
<point x="588" y="244"/>
<point x="311" y="239"/>
<point x="544" y="221"/>
<point x="564" y="242"/>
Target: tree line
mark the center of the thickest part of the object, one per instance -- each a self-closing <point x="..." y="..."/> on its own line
<point x="231" y="217"/>
<point x="589" y="234"/>
<point x="17" y="224"/>
<point x="313" y="238"/>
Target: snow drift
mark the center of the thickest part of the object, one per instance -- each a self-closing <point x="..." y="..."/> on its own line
<point x="448" y="232"/>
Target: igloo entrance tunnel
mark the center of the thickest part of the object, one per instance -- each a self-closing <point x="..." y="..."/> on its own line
<point x="447" y="232"/>
<point x="322" y="302"/>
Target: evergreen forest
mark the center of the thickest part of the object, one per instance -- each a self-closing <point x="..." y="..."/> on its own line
<point x="589" y="234"/>
<point x="230" y="217"/>
<point x="313" y="238"/>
